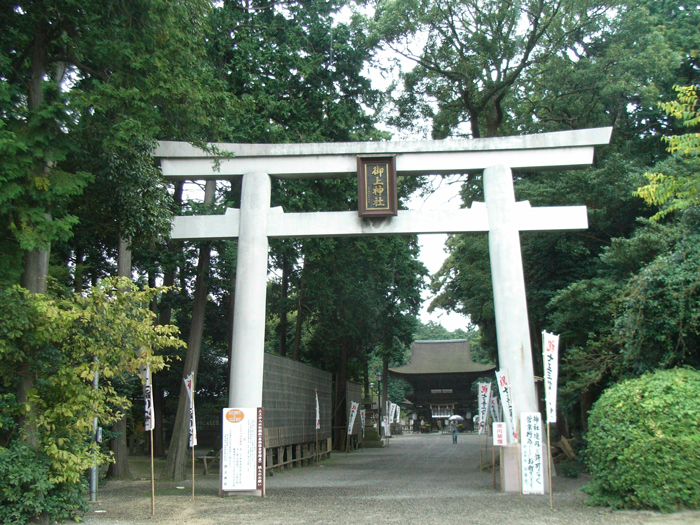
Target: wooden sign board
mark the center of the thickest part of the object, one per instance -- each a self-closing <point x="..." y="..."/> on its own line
<point x="376" y="186"/>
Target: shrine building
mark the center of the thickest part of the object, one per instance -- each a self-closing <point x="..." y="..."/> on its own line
<point x="441" y="374"/>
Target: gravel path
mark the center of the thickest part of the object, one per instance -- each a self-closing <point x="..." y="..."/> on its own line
<point x="422" y="479"/>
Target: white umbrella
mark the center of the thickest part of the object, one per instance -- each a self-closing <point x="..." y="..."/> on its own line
<point x="456" y="417"/>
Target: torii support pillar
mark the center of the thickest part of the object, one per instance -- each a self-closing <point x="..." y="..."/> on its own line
<point x="510" y="306"/>
<point x="246" y="379"/>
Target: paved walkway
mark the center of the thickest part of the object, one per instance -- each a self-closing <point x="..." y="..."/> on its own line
<point x="422" y="479"/>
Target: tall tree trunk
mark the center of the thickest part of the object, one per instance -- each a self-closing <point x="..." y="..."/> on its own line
<point x="300" y="312"/>
<point x="340" y="420"/>
<point x="119" y="446"/>
<point x="365" y="381"/>
<point x="158" y="394"/>
<point x="164" y="318"/>
<point x="173" y="247"/>
<point x="385" y="388"/>
<point x="286" y="269"/>
<point x="175" y="465"/>
<point x="158" y="435"/>
<point x="78" y="276"/>
<point x="36" y="262"/>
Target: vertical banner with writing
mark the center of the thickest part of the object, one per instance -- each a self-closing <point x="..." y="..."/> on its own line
<point x="532" y="462"/>
<point x="507" y="402"/>
<point x="392" y="413"/>
<point x="550" y="358"/>
<point x="386" y="422"/>
<point x="351" y="417"/>
<point x="149" y="416"/>
<point x="484" y="400"/>
<point x="398" y="414"/>
<point x="243" y="450"/>
<point x="318" y="413"/>
<point x="190" y="396"/>
<point x="362" y="420"/>
<point x="499" y="435"/>
<point x="493" y="405"/>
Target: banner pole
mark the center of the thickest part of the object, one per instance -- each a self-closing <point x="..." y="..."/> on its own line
<point x="192" y="473"/>
<point x="153" y="483"/>
<point x="481" y="461"/>
<point x="519" y="459"/>
<point x="500" y="469"/>
<point x="493" y="464"/>
<point x="549" y="458"/>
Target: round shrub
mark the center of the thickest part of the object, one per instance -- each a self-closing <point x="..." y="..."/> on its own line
<point x="644" y="443"/>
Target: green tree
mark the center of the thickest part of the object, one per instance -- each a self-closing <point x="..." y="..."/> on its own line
<point x="471" y="56"/>
<point x="678" y="188"/>
<point x="65" y="341"/>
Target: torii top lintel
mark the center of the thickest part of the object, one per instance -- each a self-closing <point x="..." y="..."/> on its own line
<point x="544" y="151"/>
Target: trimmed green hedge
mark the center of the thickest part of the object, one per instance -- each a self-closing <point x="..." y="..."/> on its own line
<point x="644" y="443"/>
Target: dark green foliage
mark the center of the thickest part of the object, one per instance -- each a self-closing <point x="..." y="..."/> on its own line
<point x="643" y="442"/>
<point x="27" y="491"/>
<point x="398" y="389"/>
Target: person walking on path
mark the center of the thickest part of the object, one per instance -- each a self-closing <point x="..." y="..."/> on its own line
<point x="453" y="429"/>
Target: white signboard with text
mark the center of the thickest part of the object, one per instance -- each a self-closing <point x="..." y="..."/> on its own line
<point x="242" y="450"/>
<point x="532" y="452"/>
<point x="499" y="435"/>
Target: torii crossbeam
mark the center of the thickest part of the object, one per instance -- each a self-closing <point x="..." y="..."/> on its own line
<point x="501" y="216"/>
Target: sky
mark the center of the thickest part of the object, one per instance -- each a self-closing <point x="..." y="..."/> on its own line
<point x="432" y="247"/>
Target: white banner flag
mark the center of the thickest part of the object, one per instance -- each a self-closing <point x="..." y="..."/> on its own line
<point x="190" y="396"/>
<point x="484" y="400"/>
<point x="318" y="413"/>
<point x="387" y="421"/>
<point x="507" y="402"/>
<point x="493" y="405"/>
<point x="550" y="358"/>
<point x="392" y="413"/>
<point x="353" y="413"/>
<point x="398" y="414"/>
<point x="532" y="452"/>
<point x="149" y="416"/>
<point x="362" y="420"/>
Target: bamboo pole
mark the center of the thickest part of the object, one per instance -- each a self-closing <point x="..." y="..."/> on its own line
<point x="549" y="458"/>
<point x="481" y="461"/>
<point x="153" y="481"/>
<point x="518" y="458"/>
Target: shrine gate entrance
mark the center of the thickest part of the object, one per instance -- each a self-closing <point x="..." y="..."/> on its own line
<point x="500" y="215"/>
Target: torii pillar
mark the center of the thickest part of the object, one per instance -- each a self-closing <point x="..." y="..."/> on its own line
<point x="501" y="216"/>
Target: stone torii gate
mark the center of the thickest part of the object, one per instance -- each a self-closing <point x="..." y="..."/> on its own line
<point x="501" y="216"/>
